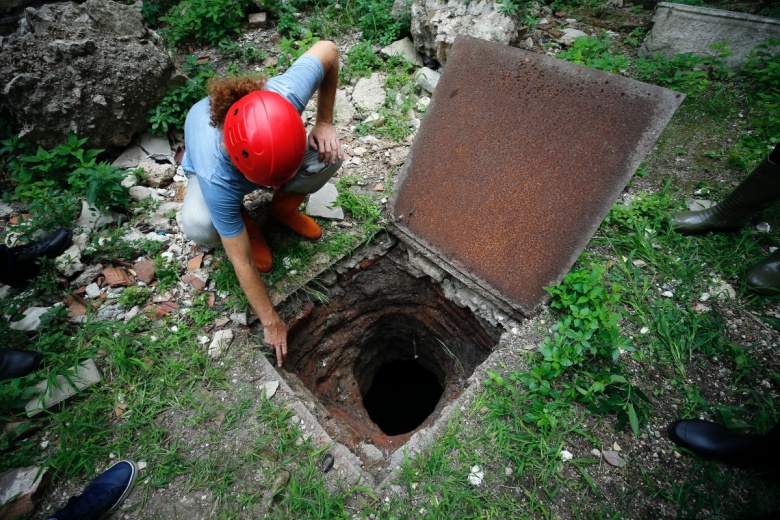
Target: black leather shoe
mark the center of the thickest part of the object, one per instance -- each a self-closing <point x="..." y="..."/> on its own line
<point x="764" y="277"/>
<point x="713" y="441"/>
<point x="17" y="363"/>
<point x="20" y="264"/>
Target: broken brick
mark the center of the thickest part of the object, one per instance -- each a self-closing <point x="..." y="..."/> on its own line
<point x="195" y="263"/>
<point x="162" y="309"/>
<point x="144" y="271"/>
<point x="117" y="277"/>
<point x="195" y="281"/>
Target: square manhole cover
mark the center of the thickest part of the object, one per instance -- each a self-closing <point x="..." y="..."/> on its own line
<point x="517" y="162"/>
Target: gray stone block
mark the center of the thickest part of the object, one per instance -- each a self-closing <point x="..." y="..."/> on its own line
<point x="687" y="29"/>
<point x="322" y="203"/>
<point x="85" y="376"/>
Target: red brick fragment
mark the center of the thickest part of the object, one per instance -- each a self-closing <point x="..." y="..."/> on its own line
<point x="117" y="277"/>
<point x="195" y="263"/>
<point x="144" y="271"/>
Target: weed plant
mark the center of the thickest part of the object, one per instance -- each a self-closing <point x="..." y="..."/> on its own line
<point x="52" y="182"/>
<point x="707" y="79"/>
<point x="203" y="21"/>
<point x="170" y="114"/>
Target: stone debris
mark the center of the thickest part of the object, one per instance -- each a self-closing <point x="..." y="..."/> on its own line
<point x="371" y="453"/>
<point x="31" y="320"/>
<point x="239" y="318"/>
<point x="369" y="94"/>
<point x="698" y="204"/>
<point x="569" y="35"/>
<point x="613" y="458"/>
<point x="86" y="375"/>
<point x="21" y="489"/>
<point x="476" y="475"/>
<point x="427" y="79"/>
<point x="91" y="218"/>
<point x="566" y="455"/>
<point x="322" y="203"/>
<point x="257" y="20"/>
<point x="269" y="389"/>
<point x="157" y="148"/>
<point x="279" y="483"/>
<point x="405" y="49"/>
<point x="220" y="343"/>
<point x="688" y="29"/>
<point x="721" y="290"/>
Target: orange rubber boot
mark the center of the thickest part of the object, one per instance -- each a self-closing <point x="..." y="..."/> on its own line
<point x="284" y="209"/>
<point x="261" y="253"/>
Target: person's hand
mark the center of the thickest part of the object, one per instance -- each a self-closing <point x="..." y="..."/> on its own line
<point x="275" y="334"/>
<point x="325" y="140"/>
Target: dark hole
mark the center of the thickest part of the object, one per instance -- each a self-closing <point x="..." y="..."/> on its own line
<point x="235" y="111"/>
<point x="402" y="395"/>
<point x="245" y="153"/>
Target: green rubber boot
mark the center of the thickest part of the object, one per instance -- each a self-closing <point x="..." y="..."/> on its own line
<point x="764" y="277"/>
<point x="757" y="192"/>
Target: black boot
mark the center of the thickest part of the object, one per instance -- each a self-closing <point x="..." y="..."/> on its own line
<point x="18" y="265"/>
<point x="17" y="363"/>
<point x="713" y="441"/>
<point x="764" y="277"/>
<point x="757" y="192"/>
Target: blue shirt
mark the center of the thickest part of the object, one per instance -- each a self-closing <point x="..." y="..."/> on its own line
<point x="222" y="184"/>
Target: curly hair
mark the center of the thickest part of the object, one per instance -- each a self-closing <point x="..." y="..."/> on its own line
<point x="223" y="92"/>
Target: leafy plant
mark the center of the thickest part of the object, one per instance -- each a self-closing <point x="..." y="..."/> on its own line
<point x="361" y="61"/>
<point x="292" y="49"/>
<point x="594" y="53"/>
<point x="171" y="113"/>
<point x="50" y="180"/>
<point x="166" y="271"/>
<point x="378" y="23"/>
<point x="152" y="10"/>
<point x="762" y="77"/>
<point x="134" y="295"/>
<point x="203" y="21"/>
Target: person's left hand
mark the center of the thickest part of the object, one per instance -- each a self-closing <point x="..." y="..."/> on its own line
<point x="325" y="140"/>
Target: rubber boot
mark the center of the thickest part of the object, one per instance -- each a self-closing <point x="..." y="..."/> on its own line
<point x="261" y="253"/>
<point x="764" y="277"/>
<point x="757" y="192"/>
<point x="284" y="209"/>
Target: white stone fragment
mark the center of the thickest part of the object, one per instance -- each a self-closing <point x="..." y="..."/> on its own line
<point x="476" y="475"/>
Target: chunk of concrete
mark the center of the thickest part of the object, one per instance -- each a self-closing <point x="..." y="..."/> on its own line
<point x="156" y="147"/>
<point x="406" y="50"/>
<point x="688" y="29"/>
<point x="427" y="79"/>
<point x="220" y="343"/>
<point x="322" y="203"/>
<point x="31" y="320"/>
<point x="130" y="158"/>
<point x="86" y="375"/>
<point x="258" y="20"/>
<point x="369" y="94"/>
<point x="21" y="489"/>
<point x="345" y="111"/>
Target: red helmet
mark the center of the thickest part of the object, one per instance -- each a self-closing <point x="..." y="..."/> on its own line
<point x="265" y="137"/>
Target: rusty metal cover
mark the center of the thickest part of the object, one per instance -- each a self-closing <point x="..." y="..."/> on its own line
<point x="517" y="162"/>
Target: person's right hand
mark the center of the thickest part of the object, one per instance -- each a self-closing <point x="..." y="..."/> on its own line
<point x="275" y="334"/>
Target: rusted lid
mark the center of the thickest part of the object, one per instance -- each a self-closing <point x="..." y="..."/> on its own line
<point x="517" y="162"/>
